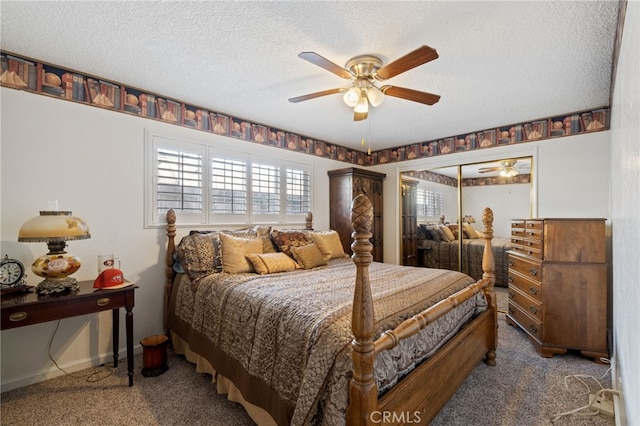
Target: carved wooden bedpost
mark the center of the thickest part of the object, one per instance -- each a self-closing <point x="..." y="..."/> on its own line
<point x="489" y="267"/>
<point x="363" y="394"/>
<point x="169" y="272"/>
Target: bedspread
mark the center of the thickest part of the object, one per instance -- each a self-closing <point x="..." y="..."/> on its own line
<point x="444" y="254"/>
<point x="283" y="338"/>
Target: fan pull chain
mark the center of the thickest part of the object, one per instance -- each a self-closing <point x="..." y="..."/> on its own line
<point x="369" y="150"/>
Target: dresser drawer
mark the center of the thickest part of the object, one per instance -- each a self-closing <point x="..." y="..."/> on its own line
<point x="532" y="307"/>
<point x="529" y="268"/>
<point x="537" y="225"/>
<point x="526" y="286"/>
<point x="527" y="323"/>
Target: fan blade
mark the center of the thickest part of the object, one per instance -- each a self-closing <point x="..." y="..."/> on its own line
<point x="420" y="56"/>
<point x="489" y="169"/>
<point x="359" y="116"/>
<point x="323" y="62"/>
<point x="316" y="95"/>
<point x="410" y="94"/>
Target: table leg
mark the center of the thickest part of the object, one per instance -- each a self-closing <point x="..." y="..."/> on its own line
<point x="116" y="335"/>
<point x="129" y="324"/>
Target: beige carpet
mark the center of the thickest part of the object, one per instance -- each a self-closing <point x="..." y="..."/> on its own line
<point x="523" y="389"/>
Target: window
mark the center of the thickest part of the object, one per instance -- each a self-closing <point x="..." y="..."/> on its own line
<point x="429" y="203"/>
<point x="204" y="186"/>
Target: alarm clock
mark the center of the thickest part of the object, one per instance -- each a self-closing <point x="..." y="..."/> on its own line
<point x="11" y="273"/>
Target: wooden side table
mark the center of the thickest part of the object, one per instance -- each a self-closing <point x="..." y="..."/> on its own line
<point x="23" y="309"/>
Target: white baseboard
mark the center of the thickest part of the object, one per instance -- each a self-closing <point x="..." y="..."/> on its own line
<point x="618" y="400"/>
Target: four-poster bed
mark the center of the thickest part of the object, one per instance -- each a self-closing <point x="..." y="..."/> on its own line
<point x="293" y="348"/>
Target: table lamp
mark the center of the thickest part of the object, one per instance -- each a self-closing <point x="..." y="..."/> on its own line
<point x="55" y="228"/>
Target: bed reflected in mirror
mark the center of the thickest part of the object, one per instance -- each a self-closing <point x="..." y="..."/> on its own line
<point x="449" y="208"/>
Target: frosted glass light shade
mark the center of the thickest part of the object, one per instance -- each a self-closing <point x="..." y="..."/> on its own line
<point x="351" y="96"/>
<point x="363" y="105"/>
<point x="375" y="96"/>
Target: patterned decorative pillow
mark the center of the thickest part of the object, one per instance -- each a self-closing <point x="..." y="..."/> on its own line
<point x="270" y="263"/>
<point x="308" y="256"/>
<point x="197" y="253"/>
<point x="454" y="230"/>
<point x="286" y="239"/>
<point x="234" y="251"/>
<point x="432" y="232"/>
<point x="470" y="231"/>
<point x="329" y="244"/>
<point x="445" y="233"/>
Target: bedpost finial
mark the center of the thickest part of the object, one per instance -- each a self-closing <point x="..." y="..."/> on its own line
<point x="171" y="217"/>
<point x="361" y="214"/>
<point x="487" y="220"/>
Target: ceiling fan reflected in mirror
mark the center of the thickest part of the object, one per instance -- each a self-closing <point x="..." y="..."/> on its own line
<point x="507" y="168"/>
<point x="365" y="72"/>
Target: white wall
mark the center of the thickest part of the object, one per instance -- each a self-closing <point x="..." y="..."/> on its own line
<point x="508" y="201"/>
<point x="625" y="201"/>
<point x="91" y="161"/>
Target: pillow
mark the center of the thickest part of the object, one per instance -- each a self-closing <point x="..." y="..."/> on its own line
<point x="234" y="250"/>
<point x="329" y="244"/>
<point x="454" y="230"/>
<point x="431" y="231"/>
<point x="308" y="256"/>
<point x="285" y="240"/>
<point x="445" y="233"/>
<point x="197" y="253"/>
<point x="470" y="231"/>
<point x="270" y="263"/>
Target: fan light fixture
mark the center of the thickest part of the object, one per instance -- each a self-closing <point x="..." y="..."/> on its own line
<point x="509" y="172"/>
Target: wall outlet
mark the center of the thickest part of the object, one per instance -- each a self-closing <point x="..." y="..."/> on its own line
<point x="603" y="405"/>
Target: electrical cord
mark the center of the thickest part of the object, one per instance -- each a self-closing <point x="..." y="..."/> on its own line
<point x="92" y="377"/>
<point x="593" y="411"/>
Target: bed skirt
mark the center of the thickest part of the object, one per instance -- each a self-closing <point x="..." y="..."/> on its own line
<point x="224" y="386"/>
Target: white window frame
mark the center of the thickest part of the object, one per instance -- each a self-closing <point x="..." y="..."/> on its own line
<point x="153" y="219"/>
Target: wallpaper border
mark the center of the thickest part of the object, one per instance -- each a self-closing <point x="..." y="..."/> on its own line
<point x="22" y="73"/>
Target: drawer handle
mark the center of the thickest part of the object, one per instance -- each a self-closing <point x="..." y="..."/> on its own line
<point x="533" y="271"/>
<point x="530" y="243"/>
<point x="510" y="294"/>
<point x="533" y="290"/>
<point x="533" y="329"/>
<point x="512" y="263"/>
<point x="510" y="279"/>
<point x="510" y="310"/>
<point x="533" y="309"/>
<point x="17" y="316"/>
<point x="103" y="302"/>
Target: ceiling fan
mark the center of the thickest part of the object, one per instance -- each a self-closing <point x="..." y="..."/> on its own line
<point x="507" y="168"/>
<point x="365" y="71"/>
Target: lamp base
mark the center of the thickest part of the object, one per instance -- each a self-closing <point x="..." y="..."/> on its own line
<point x="49" y="286"/>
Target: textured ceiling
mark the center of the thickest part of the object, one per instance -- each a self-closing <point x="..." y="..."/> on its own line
<point x="500" y="62"/>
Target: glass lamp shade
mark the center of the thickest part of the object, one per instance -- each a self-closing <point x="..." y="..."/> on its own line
<point x="509" y="172"/>
<point x="363" y="105"/>
<point x="375" y="96"/>
<point x="55" y="228"/>
<point x="351" y="96"/>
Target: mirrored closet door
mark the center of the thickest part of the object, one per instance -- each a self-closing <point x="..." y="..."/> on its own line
<point x="448" y="213"/>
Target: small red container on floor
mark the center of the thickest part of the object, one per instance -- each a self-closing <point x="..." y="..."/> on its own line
<point x="154" y="355"/>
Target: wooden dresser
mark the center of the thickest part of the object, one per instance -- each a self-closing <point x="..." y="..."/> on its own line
<point x="344" y="185"/>
<point x="558" y="284"/>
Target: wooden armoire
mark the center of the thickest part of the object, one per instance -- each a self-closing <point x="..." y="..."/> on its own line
<point x="344" y="185"/>
<point x="409" y="222"/>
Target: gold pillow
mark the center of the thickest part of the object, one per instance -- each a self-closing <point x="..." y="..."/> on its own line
<point x="270" y="263"/>
<point x="329" y="244"/>
<point x="233" y="251"/>
<point x="308" y="256"/>
<point x="470" y="230"/>
<point x="446" y="233"/>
